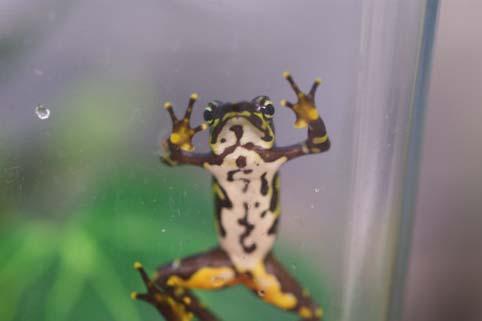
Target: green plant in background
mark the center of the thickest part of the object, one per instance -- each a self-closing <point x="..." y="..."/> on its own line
<point x="82" y="268"/>
<point x="50" y="265"/>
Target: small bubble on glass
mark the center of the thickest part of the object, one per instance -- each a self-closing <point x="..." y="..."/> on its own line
<point x="42" y="112"/>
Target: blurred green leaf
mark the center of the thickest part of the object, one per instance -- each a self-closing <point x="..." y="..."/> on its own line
<point x="81" y="268"/>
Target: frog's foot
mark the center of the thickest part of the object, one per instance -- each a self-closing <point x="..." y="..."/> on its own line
<point x="164" y="302"/>
<point x="304" y="108"/>
<point x="182" y="132"/>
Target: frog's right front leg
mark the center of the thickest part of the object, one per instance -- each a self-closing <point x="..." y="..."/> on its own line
<point x="178" y="147"/>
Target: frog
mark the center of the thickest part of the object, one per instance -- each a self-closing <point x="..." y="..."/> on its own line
<point x="244" y="162"/>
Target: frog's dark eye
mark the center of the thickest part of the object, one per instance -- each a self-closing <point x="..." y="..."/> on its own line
<point x="268" y="108"/>
<point x="208" y="114"/>
<point x="210" y="111"/>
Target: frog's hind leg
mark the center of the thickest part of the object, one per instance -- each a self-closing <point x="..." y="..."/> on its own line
<point x="273" y="284"/>
<point x="169" y="290"/>
<point x="209" y="271"/>
<point x="169" y="305"/>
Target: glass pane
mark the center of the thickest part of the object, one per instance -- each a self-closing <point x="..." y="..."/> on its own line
<point x="83" y="195"/>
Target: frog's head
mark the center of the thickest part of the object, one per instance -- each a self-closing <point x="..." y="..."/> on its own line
<point x="247" y="123"/>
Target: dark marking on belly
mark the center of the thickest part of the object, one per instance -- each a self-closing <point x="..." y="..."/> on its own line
<point x="219" y="204"/>
<point x="274" y="227"/>
<point x="238" y="131"/>
<point x="241" y="162"/>
<point x="246" y="184"/>
<point x="263" y="213"/>
<point x="247" y="171"/>
<point x="230" y="176"/>
<point x="275" y="197"/>
<point x="248" y="229"/>
<point x="264" y="184"/>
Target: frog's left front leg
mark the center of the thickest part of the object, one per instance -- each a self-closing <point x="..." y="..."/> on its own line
<point x="306" y="116"/>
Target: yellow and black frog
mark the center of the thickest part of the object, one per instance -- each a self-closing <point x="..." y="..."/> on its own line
<point x="244" y="162"/>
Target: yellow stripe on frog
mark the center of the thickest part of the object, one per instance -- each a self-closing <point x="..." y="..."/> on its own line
<point x="205" y="278"/>
<point x="269" y="288"/>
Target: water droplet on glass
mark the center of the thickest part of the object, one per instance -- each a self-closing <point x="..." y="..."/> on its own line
<point x="42" y="112"/>
<point x="317" y="190"/>
<point x="261" y="292"/>
<point x="163" y="230"/>
<point x="176" y="263"/>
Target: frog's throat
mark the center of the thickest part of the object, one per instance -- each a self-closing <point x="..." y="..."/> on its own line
<point x="255" y="120"/>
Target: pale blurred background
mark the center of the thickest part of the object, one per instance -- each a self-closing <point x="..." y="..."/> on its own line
<point x="90" y="172"/>
<point x="445" y="275"/>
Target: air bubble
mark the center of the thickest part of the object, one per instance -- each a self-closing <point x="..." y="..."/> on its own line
<point x="163" y="230"/>
<point x="317" y="190"/>
<point x="42" y="112"/>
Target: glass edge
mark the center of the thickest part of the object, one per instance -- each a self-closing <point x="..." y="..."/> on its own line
<point x="415" y="140"/>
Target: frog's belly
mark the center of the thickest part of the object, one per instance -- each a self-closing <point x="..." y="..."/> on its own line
<point x="248" y="224"/>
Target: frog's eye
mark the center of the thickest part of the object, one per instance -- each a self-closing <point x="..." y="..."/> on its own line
<point x="267" y="108"/>
<point x="208" y="114"/>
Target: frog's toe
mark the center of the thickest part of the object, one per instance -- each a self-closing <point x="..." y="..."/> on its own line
<point x="188" y="147"/>
<point x="163" y="300"/>
<point x="292" y="82"/>
<point x="168" y="107"/>
<point x="314" y="87"/>
<point x="190" y="105"/>
<point x="286" y="103"/>
<point x="170" y="308"/>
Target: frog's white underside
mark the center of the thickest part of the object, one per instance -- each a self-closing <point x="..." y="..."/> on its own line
<point x="234" y="189"/>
